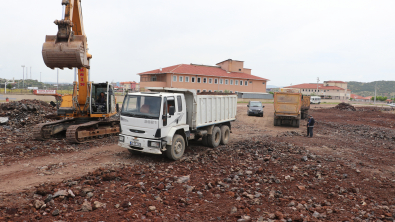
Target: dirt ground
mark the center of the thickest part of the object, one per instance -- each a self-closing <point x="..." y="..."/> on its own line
<point x="346" y="172"/>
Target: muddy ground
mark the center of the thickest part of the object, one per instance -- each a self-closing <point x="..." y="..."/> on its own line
<point x="346" y="172"/>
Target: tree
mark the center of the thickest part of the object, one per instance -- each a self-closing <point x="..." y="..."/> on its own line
<point x="9" y="86"/>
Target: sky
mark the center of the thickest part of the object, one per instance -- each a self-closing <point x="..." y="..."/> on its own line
<point x="288" y="42"/>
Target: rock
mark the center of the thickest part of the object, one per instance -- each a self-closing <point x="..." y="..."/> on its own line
<point x="70" y="192"/>
<point x="233" y="210"/>
<point x="117" y="206"/>
<point x="161" y="186"/>
<point x="97" y="205"/>
<point x="190" y="189"/>
<point x="304" y="158"/>
<point x="316" y="214"/>
<point x="86" y="206"/>
<point x="89" y="195"/>
<point x="55" y="212"/>
<point x="183" y="179"/>
<point x="244" y="218"/>
<point x="60" y="193"/>
<point x="3" y="120"/>
<point x="38" y="203"/>
<point x="248" y="172"/>
<point x="49" y="198"/>
<point x="151" y="208"/>
<point x="301" y="187"/>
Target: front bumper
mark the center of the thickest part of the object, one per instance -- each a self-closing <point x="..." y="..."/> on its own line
<point x="253" y="112"/>
<point x="126" y="141"/>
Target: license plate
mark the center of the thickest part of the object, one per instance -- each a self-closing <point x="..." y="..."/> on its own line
<point x="136" y="144"/>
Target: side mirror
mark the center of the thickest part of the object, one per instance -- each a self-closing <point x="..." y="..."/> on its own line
<point x="248" y="105"/>
<point x="171" y="110"/>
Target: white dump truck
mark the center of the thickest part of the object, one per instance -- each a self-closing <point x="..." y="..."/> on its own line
<point x="164" y="119"/>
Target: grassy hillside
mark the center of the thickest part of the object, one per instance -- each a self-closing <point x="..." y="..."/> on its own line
<point x="384" y="88"/>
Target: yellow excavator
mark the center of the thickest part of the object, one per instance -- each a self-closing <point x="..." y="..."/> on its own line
<point x="87" y="112"/>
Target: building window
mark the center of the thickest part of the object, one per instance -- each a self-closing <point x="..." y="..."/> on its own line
<point x="263" y="83"/>
<point x="231" y="82"/>
<point x="226" y="81"/>
<point x="338" y="90"/>
<point x="204" y="90"/>
<point x="246" y="83"/>
<point x="241" y="82"/>
<point x="216" y="81"/>
<point x="186" y="78"/>
<point x="239" y="70"/>
<point x="231" y="91"/>
<point x="198" y="91"/>
<point x="221" y="81"/>
<point x="204" y="80"/>
<point x="209" y="91"/>
<point x="199" y="80"/>
<point x="153" y="78"/>
<point x="180" y="79"/>
<point x="192" y="79"/>
<point x="174" y="78"/>
<point x="250" y="82"/>
<point x="236" y="82"/>
<point x="220" y="91"/>
<point x="210" y="80"/>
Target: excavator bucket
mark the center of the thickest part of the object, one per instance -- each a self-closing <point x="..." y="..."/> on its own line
<point x="65" y="54"/>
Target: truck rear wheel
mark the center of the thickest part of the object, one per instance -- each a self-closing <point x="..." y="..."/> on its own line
<point x="176" y="150"/>
<point x="215" y="138"/>
<point x="225" y="134"/>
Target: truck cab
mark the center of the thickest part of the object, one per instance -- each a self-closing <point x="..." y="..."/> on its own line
<point x="148" y="118"/>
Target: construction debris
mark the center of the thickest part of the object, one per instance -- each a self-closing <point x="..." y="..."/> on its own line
<point x="345" y="106"/>
<point x="26" y="113"/>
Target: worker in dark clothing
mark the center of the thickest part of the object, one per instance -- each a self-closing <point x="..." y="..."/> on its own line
<point x="101" y="101"/>
<point x="310" y="126"/>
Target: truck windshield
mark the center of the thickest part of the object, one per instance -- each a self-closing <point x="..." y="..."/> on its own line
<point x="141" y="106"/>
<point x="256" y="104"/>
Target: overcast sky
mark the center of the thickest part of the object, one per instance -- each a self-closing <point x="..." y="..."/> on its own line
<point x="288" y="42"/>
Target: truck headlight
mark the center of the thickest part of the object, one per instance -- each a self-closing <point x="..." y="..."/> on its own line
<point x="121" y="139"/>
<point x="154" y="144"/>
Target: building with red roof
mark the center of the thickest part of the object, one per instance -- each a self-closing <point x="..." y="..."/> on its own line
<point x="129" y="85"/>
<point x="328" y="89"/>
<point x="360" y="98"/>
<point x="229" y="75"/>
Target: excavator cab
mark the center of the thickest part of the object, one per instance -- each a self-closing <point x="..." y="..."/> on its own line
<point x="102" y="99"/>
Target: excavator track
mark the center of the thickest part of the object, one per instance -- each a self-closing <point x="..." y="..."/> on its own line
<point x="92" y="130"/>
<point x="39" y="132"/>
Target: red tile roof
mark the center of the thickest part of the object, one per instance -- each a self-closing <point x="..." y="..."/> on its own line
<point x="354" y="96"/>
<point x="202" y="70"/>
<point x="313" y="86"/>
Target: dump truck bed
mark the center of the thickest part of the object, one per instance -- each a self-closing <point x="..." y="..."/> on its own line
<point x="287" y="104"/>
<point x="213" y="109"/>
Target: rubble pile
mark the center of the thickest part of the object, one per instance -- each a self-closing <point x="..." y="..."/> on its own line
<point x="260" y="180"/>
<point x="22" y="113"/>
<point x="345" y="106"/>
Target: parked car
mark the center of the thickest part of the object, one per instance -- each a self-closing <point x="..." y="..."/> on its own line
<point x="391" y="104"/>
<point x="315" y="100"/>
<point x="255" y="108"/>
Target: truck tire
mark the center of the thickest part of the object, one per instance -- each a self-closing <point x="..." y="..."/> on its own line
<point x="275" y="122"/>
<point x="177" y="148"/>
<point x="214" y="139"/>
<point x="298" y="123"/>
<point x="225" y="134"/>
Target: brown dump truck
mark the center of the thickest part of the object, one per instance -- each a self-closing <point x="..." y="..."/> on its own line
<point x="287" y="108"/>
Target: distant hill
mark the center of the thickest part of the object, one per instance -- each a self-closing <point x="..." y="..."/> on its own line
<point x="272" y="86"/>
<point x="384" y="88"/>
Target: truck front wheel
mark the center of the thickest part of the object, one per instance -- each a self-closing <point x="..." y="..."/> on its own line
<point x="176" y="150"/>
<point x="225" y="134"/>
<point x="215" y="138"/>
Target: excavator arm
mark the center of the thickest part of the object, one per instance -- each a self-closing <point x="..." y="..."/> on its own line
<point x="69" y="48"/>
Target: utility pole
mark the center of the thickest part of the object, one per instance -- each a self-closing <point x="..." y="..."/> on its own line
<point x="318" y="80"/>
<point x="23" y="83"/>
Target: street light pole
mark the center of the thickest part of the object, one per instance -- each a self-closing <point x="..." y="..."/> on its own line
<point x="318" y="80"/>
<point x="23" y="85"/>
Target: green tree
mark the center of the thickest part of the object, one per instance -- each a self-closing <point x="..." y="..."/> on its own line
<point x="9" y="86"/>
